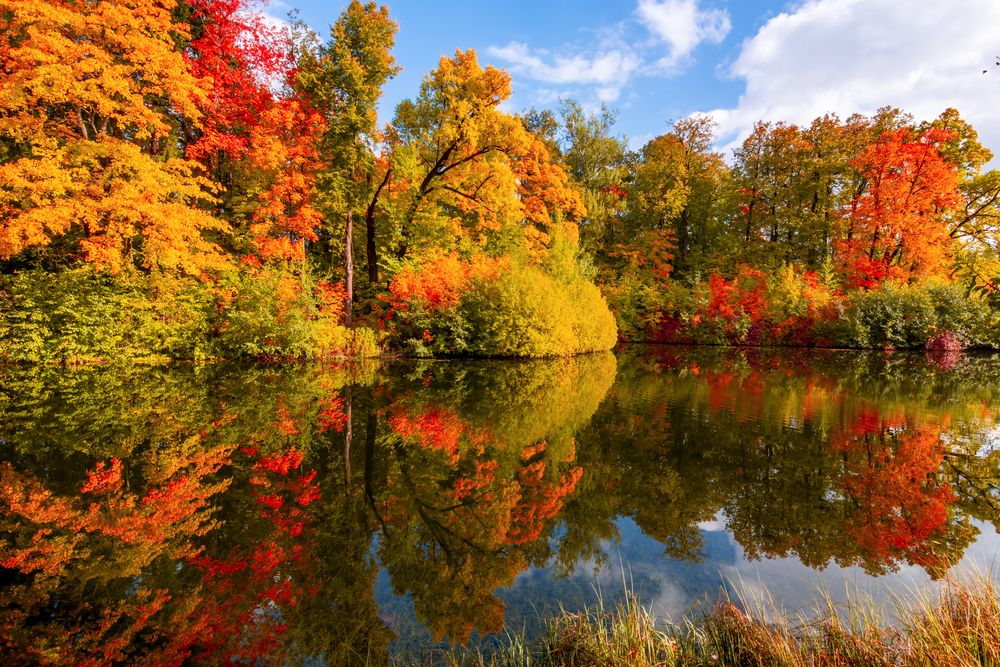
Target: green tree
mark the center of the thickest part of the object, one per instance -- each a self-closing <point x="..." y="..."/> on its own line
<point x="595" y="160"/>
<point x="343" y="79"/>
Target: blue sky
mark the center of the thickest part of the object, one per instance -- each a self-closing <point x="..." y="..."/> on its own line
<point x="741" y="61"/>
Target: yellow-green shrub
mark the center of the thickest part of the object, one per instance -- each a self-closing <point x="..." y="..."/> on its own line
<point x="518" y="309"/>
<point x="521" y="314"/>
<point x="83" y="315"/>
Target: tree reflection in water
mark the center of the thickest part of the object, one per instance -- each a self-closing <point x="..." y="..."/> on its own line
<point x="220" y="513"/>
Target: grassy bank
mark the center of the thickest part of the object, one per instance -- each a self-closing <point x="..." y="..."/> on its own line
<point x="956" y="624"/>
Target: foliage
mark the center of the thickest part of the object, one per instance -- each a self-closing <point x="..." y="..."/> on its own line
<point x="832" y="215"/>
<point x="198" y="171"/>
<point x="489" y="307"/>
<point x="343" y="80"/>
<point x="894" y="229"/>
<point x="480" y="469"/>
<point x="85" y="315"/>
<point x="596" y="161"/>
<point x="88" y="179"/>
<point x="106" y="533"/>
<point x="789" y="307"/>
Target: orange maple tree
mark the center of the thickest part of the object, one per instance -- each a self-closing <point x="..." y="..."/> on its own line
<point x="894" y="228"/>
<point x="89" y="97"/>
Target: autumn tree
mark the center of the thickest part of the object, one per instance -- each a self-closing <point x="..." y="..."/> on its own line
<point x="343" y="79"/>
<point x="456" y="157"/>
<point x="707" y="175"/>
<point x="676" y="184"/>
<point x="552" y="205"/>
<point x="791" y="183"/>
<point x="894" y="230"/>
<point x="771" y="197"/>
<point x="659" y="188"/>
<point x="545" y="126"/>
<point x="975" y="223"/>
<point x="87" y="109"/>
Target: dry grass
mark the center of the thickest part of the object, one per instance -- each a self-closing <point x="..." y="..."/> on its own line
<point x="956" y="624"/>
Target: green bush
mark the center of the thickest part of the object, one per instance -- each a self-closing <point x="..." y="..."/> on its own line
<point x="276" y="313"/>
<point x="522" y="311"/>
<point x="968" y="317"/>
<point x="83" y="315"/>
<point x="266" y="316"/>
<point x="907" y="316"/>
<point x="892" y="316"/>
<point x="74" y="316"/>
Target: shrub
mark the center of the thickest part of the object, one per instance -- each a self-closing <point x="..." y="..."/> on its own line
<point x="279" y="313"/>
<point x="84" y="315"/>
<point x="911" y="315"/>
<point x="793" y="308"/>
<point x="75" y="316"/>
<point x="521" y="314"/>
<point x="265" y="313"/>
<point x="497" y="307"/>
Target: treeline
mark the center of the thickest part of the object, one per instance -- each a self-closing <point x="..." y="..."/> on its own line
<point x="181" y="179"/>
<point x="865" y="232"/>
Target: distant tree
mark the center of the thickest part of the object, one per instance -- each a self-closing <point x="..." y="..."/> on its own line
<point x="895" y="229"/>
<point x="595" y="160"/>
<point x="343" y="80"/>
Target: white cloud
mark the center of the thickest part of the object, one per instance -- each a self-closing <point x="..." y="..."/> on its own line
<point x="609" y="94"/>
<point x="617" y="54"/>
<point x="608" y="71"/>
<point x="847" y="56"/>
<point x="612" y="67"/>
<point x="274" y="13"/>
<point x="683" y="26"/>
<point x="638" y="141"/>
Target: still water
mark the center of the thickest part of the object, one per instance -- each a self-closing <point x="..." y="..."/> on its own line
<point x="339" y="514"/>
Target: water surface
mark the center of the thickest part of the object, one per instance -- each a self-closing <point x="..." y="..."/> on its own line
<point x="337" y="514"/>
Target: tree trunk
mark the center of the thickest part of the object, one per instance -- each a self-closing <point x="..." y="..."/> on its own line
<point x="349" y="268"/>
<point x="347" y="442"/>
<point x="370" y="228"/>
<point x="370" y="428"/>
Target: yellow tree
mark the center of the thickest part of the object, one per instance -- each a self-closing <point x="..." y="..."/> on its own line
<point x="975" y="223"/>
<point x="456" y="156"/>
<point x="91" y="169"/>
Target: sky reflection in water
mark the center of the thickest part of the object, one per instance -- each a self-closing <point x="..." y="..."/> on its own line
<point x="153" y="513"/>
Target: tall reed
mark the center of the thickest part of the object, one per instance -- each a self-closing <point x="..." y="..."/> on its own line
<point x="954" y="624"/>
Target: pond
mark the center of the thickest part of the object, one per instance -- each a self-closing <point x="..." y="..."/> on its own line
<point x="343" y="514"/>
